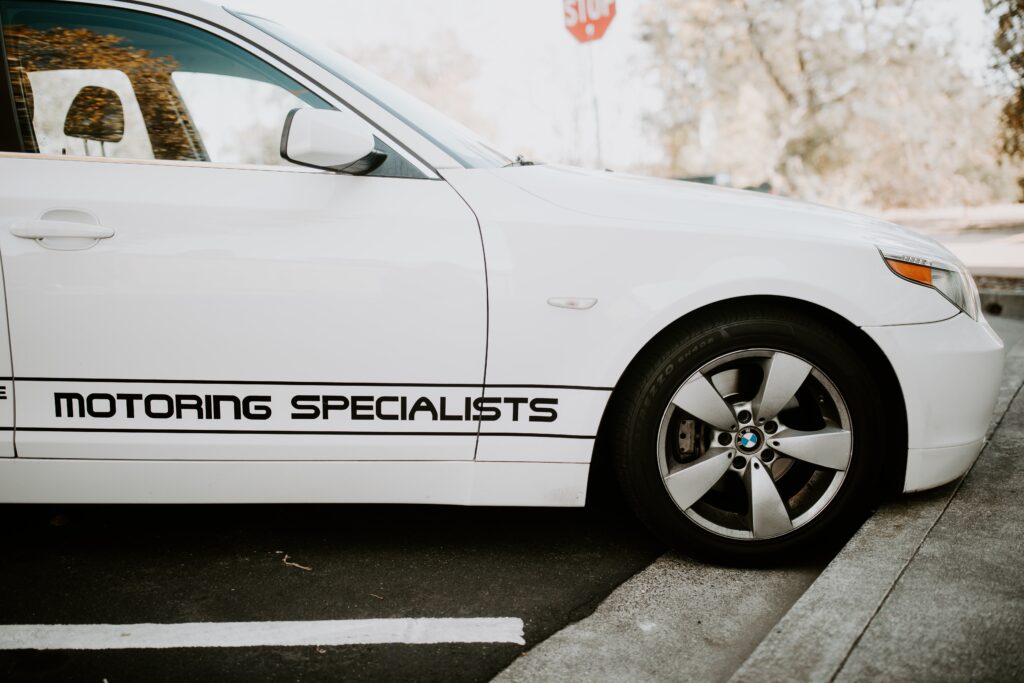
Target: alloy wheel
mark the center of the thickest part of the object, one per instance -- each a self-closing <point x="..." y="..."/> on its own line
<point x="755" y="444"/>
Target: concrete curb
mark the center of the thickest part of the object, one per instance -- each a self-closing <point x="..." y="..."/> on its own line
<point x="814" y="640"/>
<point x="957" y="612"/>
<point x="677" y="620"/>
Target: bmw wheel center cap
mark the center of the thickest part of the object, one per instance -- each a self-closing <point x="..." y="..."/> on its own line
<point x="749" y="439"/>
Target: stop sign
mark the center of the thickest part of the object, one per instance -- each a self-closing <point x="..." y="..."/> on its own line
<point x="588" y="19"/>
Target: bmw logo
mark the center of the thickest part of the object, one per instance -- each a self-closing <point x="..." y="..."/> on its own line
<point x="748" y="440"/>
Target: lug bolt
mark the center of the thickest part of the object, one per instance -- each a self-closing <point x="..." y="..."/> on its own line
<point x="744" y="416"/>
<point x="724" y="439"/>
<point x="768" y="455"/>
<point x="740" y="462"/>
<point x="771" y="427"/>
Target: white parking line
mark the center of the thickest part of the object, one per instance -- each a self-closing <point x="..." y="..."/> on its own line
<point x="259" y="633"/>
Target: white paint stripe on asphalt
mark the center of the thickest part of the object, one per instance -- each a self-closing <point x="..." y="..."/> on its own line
<point x="259" y="633"/>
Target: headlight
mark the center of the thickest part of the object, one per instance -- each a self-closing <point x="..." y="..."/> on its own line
<point x="950" y="279"/>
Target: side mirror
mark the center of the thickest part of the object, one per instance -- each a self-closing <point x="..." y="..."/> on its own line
<point x="336" y="141"/>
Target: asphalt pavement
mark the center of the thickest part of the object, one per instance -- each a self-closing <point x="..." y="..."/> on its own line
<point x="138" y="564"/>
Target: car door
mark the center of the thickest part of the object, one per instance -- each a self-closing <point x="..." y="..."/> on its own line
<point x="176" y="290"/>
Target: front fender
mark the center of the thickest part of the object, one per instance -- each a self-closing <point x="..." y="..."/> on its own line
<point x="647" y="274"/>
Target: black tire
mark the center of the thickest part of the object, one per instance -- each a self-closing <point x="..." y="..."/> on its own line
<point x="639" y="404"/>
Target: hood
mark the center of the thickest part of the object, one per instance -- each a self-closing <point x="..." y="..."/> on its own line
<point x="604" y="194"/>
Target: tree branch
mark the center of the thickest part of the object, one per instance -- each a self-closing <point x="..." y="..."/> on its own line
<point x="759" y="51"/>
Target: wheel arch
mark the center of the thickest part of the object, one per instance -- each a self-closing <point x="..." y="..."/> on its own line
<point x="891" y="393"/>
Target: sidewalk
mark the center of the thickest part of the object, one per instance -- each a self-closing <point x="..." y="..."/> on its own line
<point x="957" y="611"/>
<point x="931" y="587"/>
<point x="959" y="218"/>
<point x="988" y="239"/>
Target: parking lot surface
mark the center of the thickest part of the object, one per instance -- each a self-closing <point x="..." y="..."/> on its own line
<point x="135" y="564"/>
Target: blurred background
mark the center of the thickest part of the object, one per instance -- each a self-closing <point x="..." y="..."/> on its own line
<point x="912" y="109"/>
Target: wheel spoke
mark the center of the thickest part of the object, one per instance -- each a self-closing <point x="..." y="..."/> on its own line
<point x="689" y="484"/>
<point x="699" y="398"/>
<point x="829" y="447"/>
<point x="783" y="376"/>
<point x="768" y="514"/>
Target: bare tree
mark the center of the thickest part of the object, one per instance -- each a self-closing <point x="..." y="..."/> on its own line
<point x="440" y="72"/>
<point x="1009" y="48"/>
<point x="847" y="101"/>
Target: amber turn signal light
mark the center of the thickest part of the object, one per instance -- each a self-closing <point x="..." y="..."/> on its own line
<point x="911" y="271"/>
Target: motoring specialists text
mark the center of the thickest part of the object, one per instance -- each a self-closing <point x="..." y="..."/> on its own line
<point x="390" y="407"/>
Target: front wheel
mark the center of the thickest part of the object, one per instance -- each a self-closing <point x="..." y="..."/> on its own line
<point x="750" y="437"/>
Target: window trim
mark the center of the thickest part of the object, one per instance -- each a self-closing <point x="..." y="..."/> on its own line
<point x="184" y="163"/>
<point x="261" y="53"/>
<point x="10" y="128"/>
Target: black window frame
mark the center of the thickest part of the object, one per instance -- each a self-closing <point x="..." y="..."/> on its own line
<point x="10" y="130"/>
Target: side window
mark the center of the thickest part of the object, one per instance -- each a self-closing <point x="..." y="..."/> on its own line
<point x="100" y="81"/>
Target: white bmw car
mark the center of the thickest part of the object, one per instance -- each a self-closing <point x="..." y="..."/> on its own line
<point x="239" y="268"/>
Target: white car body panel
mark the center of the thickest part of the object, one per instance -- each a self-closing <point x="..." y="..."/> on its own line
<point x="648" y="273"/>
<point x="279" y="283"/>
<point x="258" y="277"/>
<point x="27" y="480"/>
<point x="949" y="373"/>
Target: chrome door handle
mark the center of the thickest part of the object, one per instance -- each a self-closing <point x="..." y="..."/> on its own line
<point x="45" y="229"/>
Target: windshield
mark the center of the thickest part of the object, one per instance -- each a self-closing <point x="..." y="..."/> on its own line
<point x="456" y="140"/>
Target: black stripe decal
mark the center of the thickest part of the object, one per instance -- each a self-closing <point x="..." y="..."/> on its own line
<point x="308" y="384"/>
<point x="286" y="432"/>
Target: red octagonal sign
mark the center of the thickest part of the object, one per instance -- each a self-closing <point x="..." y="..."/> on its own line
<point x="588" y="19"/>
